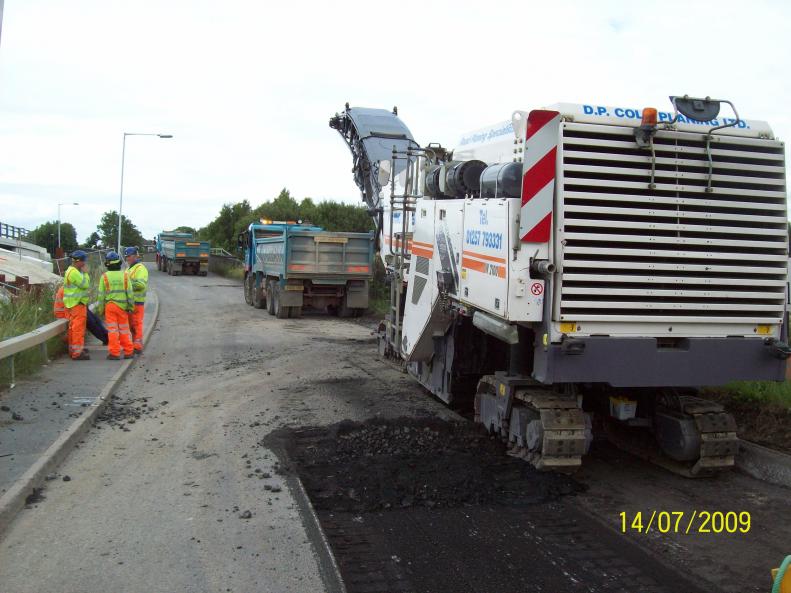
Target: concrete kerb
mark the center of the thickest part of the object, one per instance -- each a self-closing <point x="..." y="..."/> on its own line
<point x="14" y="499"/>
<point x="328" y="566"/>
<point x="764" y="464"/>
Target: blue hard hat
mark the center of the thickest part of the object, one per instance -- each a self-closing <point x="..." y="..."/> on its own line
<point x="112" y="258"/>
<point x="130" y="251"/>
<point x="79" y="255"/>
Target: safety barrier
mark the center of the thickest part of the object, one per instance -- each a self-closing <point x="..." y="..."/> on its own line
<point x="12" y="232"/>
<point x="37" y="337"/>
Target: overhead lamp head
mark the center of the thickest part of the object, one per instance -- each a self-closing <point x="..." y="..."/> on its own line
<point x="697" y="109"/>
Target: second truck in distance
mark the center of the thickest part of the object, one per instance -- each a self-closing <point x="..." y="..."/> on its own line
<point x="178" y="253"/>
<point x="289" y="265"/>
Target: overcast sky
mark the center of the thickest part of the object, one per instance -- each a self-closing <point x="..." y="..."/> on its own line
<point x="247" y="87"/>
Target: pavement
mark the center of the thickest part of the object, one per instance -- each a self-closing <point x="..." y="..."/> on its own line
<point x="49" y="402"/>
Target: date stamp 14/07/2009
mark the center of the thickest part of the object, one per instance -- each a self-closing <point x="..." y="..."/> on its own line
<point x="686" y="522"/>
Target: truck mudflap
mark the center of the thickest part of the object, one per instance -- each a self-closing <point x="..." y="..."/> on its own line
<point x="357" y="294"/>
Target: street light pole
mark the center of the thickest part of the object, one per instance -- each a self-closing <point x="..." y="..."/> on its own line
<point x="121" y="198"/>
<point x="59" y="205"/>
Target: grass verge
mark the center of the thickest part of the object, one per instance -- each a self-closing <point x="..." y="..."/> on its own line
<point x="761" y="392"/>
<point x="762" y="410"/>
<point x="227" y="267"/>
<point x="20" y="315"/>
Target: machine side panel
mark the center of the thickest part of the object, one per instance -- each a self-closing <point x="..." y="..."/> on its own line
<point x="484" y="258"/>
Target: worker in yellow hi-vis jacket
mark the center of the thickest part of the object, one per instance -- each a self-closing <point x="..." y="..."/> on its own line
<point x="138" y="274"/>
<point x="115" y="301"/>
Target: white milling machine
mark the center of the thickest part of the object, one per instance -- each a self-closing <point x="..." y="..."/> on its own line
<point x="584" y="259"/>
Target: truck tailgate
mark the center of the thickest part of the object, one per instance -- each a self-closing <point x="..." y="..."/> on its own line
<point x="330" y="254"/>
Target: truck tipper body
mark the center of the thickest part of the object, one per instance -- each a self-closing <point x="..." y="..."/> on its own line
<point x="582" y="260"/>
<point x="288" y="266"/>
<point x="179" y="253"/>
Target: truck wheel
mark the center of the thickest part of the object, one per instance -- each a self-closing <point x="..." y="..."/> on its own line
<point x="259" y="301"/>
<point x="295" y="312"/>
<point x="170" y="268"/>
<point x="358" y="312"/>
<point x="281" y="312"/>
<point x="270" y="301"/>
<point x="248" y="289"/>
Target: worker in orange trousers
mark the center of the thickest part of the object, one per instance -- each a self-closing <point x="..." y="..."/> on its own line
<point x="115" y="301"/>
<point x="76" y="283"/>
<point x="138" y="274"/>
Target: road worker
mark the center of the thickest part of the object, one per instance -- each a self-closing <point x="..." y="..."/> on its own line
<point x="116" y="300"/>
<point x="138" y="274"/>
<point x="76" y="284"/>
<point x="59" y="307"/>
<point x="94" y="323"/>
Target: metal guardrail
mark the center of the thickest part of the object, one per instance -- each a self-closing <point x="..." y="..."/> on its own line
<point x="13" y="232"/>
<point x="37" y="337"/>
<point x="222" y="252"/>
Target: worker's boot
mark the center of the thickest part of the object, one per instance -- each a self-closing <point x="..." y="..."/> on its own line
<point x="113" y="357"/>
<point x="83" y="356"/>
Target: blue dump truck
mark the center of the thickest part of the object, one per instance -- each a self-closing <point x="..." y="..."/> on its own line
<point x="178" y="253"/>
<point x="290" y="265"/>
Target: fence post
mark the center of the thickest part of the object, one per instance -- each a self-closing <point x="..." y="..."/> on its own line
<point x="44" y="353"/>
<point x="11" y="359"/>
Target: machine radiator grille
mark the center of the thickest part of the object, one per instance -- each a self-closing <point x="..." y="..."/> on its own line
<point x="675" y="252"/>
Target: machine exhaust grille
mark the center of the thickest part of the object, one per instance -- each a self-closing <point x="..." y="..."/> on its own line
<point x="675" y="252"/>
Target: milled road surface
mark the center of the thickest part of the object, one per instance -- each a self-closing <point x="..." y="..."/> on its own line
<point x="159" y="497"/>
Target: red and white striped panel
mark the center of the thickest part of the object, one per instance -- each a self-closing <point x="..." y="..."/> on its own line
<point x="538" y="179"/>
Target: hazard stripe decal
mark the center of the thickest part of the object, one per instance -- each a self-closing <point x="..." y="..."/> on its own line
<point x="539" y="176"/>
<point x="538" y="180"/>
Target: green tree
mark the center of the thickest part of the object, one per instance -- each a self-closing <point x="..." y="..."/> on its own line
<point x="92" y="241"/>
<point x="108" y="231"/>
<point x="46" y="235"/>
<point x="333" y="216"/>
<point x="223" y="230"/>
<point x="283" y="207"/>
<point x="184" y="229"/>
<point x="308" y="211"/>
<point x="336" y="216"/>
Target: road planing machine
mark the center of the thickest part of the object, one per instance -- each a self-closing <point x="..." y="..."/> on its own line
<point x="584" y="264"/>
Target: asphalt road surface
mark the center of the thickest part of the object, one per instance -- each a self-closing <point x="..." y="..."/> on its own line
<point x="174" y="490"/>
